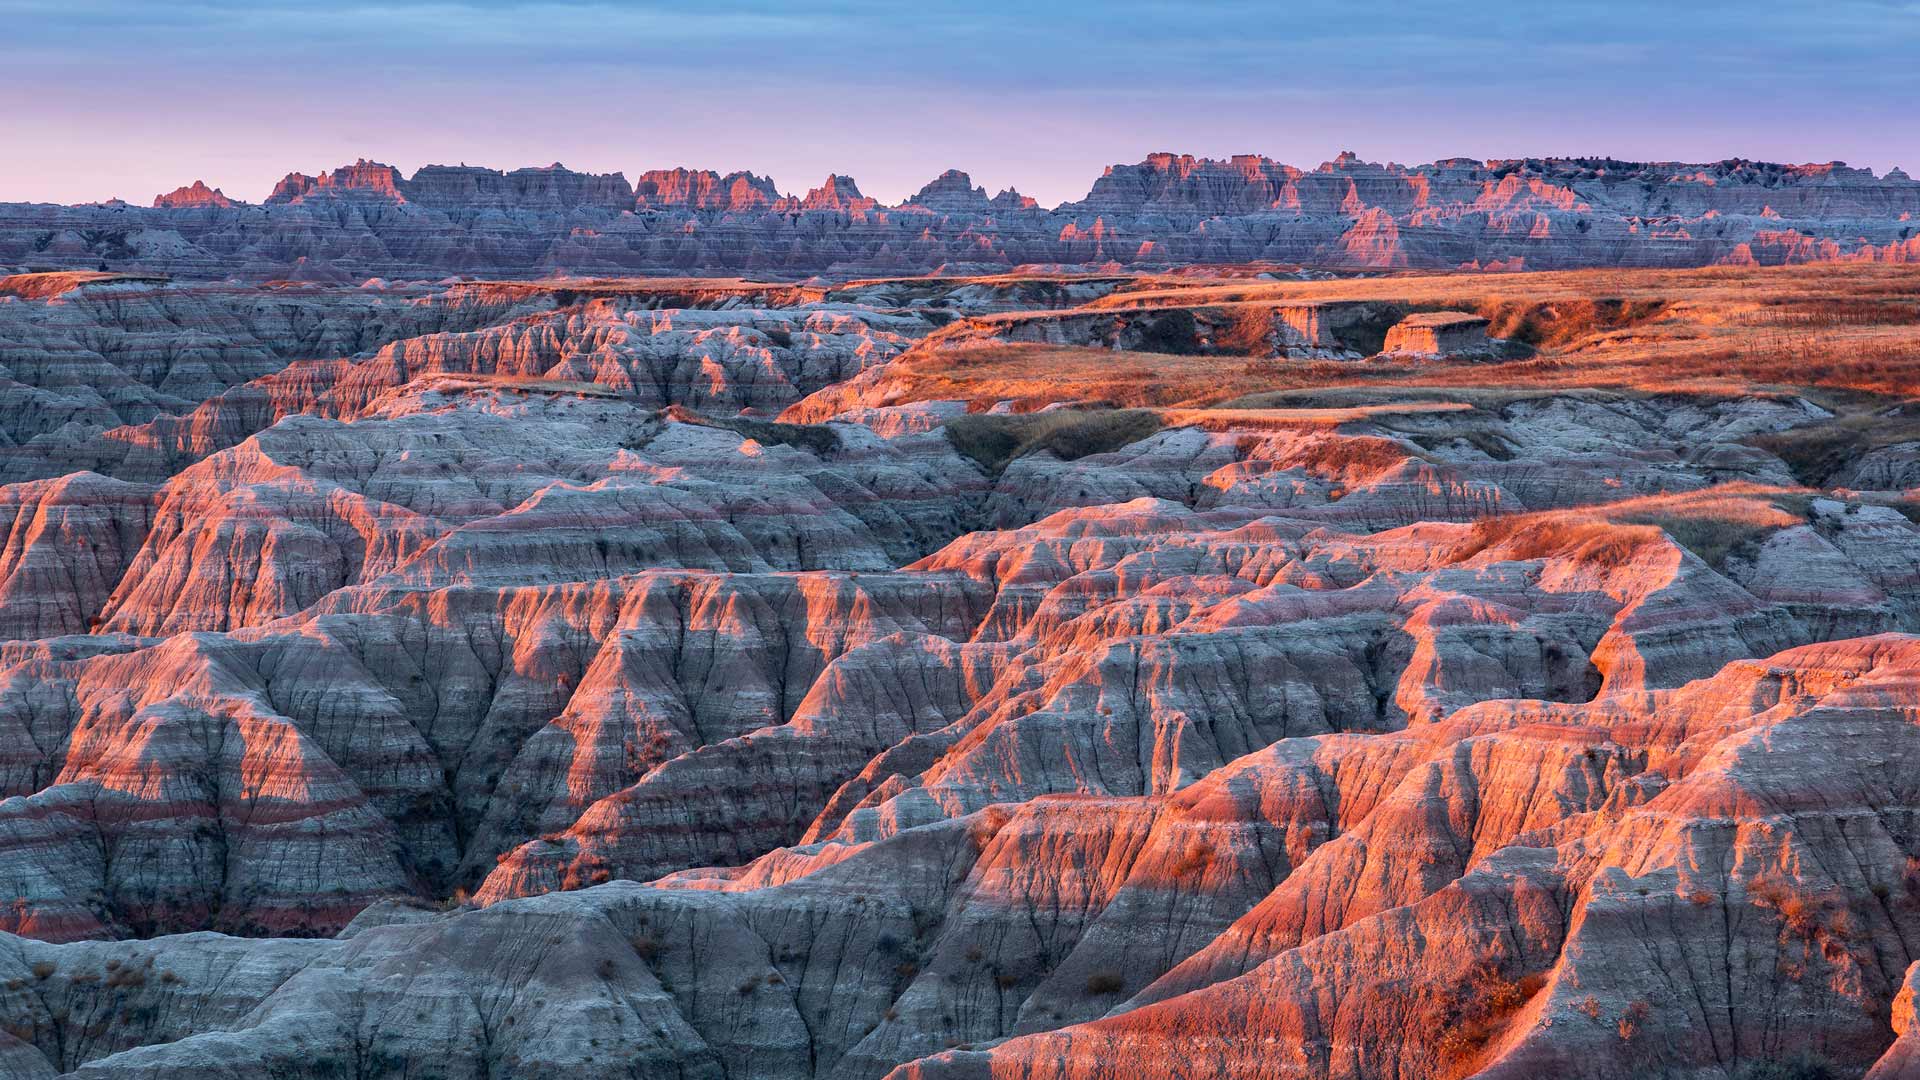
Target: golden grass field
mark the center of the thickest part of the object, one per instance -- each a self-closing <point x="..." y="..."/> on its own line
<point x="1846" y="336"/>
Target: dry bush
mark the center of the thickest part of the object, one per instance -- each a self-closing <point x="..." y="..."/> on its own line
<point x="995" y="439"/>
<point x="1472" y="1013"/>
<point x="1193" y="860"/>
<point x="1105" y="982"/>
<point x="126" y="977"/>
<point x="1804" y="912"/>
<point x="1633" y="1020"/>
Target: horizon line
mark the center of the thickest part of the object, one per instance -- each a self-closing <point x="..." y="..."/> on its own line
<point x="1345" y="156"/>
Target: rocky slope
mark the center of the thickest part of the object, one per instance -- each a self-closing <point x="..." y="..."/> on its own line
<point x="475" y="680"/>
<point x="368" y="219"/>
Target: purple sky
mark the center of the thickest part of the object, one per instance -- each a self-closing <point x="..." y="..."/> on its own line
<point x="114" y="98"/>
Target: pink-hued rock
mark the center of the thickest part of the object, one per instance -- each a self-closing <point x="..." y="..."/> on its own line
<point x="369" y="220"/>
<point x="196" y="194"/>
<point x="610" y="726"/>
<point x="1440" y="334"/>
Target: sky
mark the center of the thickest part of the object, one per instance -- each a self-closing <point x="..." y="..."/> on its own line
<point x="129" y="98"/>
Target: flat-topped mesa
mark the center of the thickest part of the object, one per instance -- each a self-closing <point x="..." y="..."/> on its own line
<point x="464" y="187"/>
<point x="703" y="189"/>
<point x="363" y="178"/>
<point x="1439" y="334"/>
<point x="1349" y="186"/>
<point x="551" y="187"/>
<point x="196" y="194"/>
<point x="1181" y="182"/>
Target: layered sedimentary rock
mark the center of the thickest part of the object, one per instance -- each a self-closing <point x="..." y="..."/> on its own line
<point x="1439" y="334"/>
<point x="192" y="195"/>
<point x="476" y="679"/>
<point x="368" y="219"/>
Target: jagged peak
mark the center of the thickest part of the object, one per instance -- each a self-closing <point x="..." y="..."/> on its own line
<point x="192" y="195"/>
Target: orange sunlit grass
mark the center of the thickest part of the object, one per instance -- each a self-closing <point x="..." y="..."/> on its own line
<point x="1837" y="330"/>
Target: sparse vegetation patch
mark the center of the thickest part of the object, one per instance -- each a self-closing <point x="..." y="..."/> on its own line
<point x="995" y="439"/>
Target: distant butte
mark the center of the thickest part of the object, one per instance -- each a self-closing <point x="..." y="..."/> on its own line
<point x="194" y="194"/>
<point x="368" y="219"/>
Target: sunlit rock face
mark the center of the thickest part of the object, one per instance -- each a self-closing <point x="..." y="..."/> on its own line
<point x="648" y="677"/>
<point x="369" y="219"/>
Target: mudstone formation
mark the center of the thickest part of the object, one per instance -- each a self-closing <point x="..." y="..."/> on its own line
<point x="369" y="220"/>
<point x="495" y="679"/>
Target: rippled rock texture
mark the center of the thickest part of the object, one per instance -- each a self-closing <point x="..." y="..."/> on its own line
<point x="708" y="678"/>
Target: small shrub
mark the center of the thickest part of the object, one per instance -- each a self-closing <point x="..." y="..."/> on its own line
<point x="43" y="970"/>
<point x="1105" y="982"/>
<point x="1803" y="912"/>
<point x="1471" y="1012"/>
<point x="127" y="977"/>
<point x="1194" y="860"/>
<point x="1633" y="1021"/>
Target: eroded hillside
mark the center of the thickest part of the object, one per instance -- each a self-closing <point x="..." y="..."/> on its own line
<point x="1028" y="676"/>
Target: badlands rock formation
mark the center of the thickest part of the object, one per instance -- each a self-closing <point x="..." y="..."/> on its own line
<point x="1439" y="334"/>
<point x="369" y="219"/>
<point x="713" y="678"/>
